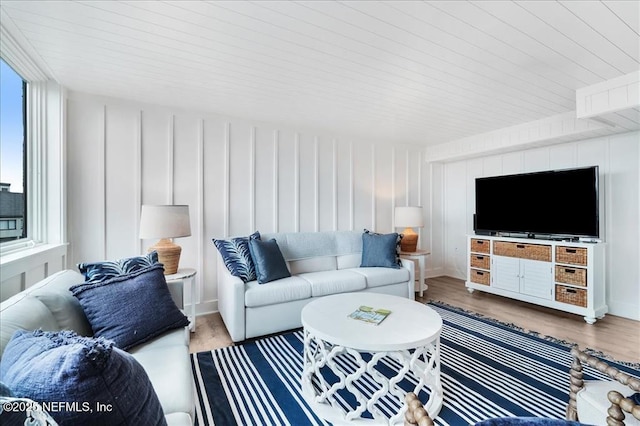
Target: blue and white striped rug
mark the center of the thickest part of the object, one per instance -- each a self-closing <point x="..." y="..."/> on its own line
<point x="488" y="370"/>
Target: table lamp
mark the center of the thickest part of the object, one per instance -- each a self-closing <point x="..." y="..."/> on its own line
<point x="408" y="218"/>
<point x="165" y="222"/>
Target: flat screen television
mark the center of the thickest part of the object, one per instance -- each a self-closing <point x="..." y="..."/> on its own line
<point x="556" y="203"/>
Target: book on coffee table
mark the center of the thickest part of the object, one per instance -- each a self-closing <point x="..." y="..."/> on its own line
<point x="370" y="315"/>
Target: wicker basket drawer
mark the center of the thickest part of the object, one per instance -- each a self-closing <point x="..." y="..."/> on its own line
<point x="571" y="255"/>
<point x="573" y="296"/>
<point x="479" y="277"/>
<point x="522" y="250"/>
<point x="480" y="246"/>
<point x="480" y="261"/>
<point x="568" y="275"/>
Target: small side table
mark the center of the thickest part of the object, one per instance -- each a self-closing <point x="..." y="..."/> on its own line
<point x="187" y="274"/>
<point x="421" y="257"/>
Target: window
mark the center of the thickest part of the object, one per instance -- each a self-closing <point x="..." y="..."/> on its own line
<point x="13" y="155"/>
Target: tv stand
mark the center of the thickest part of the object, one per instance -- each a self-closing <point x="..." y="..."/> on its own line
<point x="564" y="275"/>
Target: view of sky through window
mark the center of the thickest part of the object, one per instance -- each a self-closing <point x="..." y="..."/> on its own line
<point x="11" y="128"/>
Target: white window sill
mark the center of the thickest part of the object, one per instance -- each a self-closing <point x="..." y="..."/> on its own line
<point x="21" y="259"/>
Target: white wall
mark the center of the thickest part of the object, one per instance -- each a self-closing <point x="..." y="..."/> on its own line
<point x="237" y="176"/>
<point x="618" y="158"/>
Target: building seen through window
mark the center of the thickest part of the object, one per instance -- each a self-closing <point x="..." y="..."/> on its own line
<point x="13" y="182"/>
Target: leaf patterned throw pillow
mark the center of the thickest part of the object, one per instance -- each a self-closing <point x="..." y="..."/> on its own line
<point x="237" y="257"/>
<point x="102" y="271"/>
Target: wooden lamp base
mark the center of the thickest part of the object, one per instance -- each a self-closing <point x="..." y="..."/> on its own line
<point x="168" y="255"/>
<point x="409" y="242"/>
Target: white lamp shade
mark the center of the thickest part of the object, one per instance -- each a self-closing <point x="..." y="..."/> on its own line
<point x="164" y="221"/>
<point x="408" y="217"/>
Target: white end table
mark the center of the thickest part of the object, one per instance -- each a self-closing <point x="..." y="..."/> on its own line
<point x="421" y="257"/>
<point x="187" y="274"/>
<point x="410" y="336"/>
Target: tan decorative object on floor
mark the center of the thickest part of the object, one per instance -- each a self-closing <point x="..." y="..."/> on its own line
<point x="415" y="414"/>
<point x="584" y="395"/>
<point x="408" y="218"/>
<point x="165" y="222"/>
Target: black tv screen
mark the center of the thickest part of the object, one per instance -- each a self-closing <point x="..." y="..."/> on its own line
<point x="562" y="203"/>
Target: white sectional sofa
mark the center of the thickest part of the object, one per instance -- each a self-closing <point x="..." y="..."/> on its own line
<point x="321" y="263"/>
<point x="50" y="306"/>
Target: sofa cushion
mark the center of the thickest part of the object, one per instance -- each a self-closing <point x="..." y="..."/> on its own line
<point x="130" y="309"/>
<point x="64" y="367"/>
<point x="284" y="290"/>
<point x="305" y="245"/>
<point x="169" y="370"/>
<point x="107" y="269"/>
<point x="377" y="277"/>
<point x="29" y="314"/>
<point x="332" y="282"/>
<point x="313" y="264"/>
<point x="237" y="257"/>
<point x="348" y="261"/>
<point x="592" y="402"/>
<point x="380" y="250"/>
<point x="176" y="337"/>
<point x="268" y="260"/>
<point x="67" y="311"/>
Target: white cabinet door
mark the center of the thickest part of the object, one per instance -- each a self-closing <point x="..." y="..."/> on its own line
<point x="506" y="273"/>
<point x="537" y="278"/>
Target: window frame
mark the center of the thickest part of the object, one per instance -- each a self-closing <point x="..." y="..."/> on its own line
<point x="37" y="112"/>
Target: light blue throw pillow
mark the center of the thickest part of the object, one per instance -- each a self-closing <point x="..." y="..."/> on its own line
<point x="130" y="309"/>
<point x="102" y="271"/>
<point x="380" y="250"/>
<point x="86" y="380"/>
<point x="270" y="264"/>
<point x="237" y="257"/>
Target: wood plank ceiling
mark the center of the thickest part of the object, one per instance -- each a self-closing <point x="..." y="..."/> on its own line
<point x="416" y="71"/>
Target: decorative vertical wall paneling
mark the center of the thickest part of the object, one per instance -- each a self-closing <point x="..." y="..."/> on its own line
<point x="296" y="181"/>
<point x="138" y="175"/>
<point x="420" y="240"/>
<point x="170" y="160"/>
<point x="103" y="173"/>
<point x="407" y="177"/>
<point x="276" y="144"/>
<point x="316" y="186"/>
<point x="196" y="298"/>
<point x="335" y="183"/>
<point x="352" y="213"/>
<point x="252" y="178"/>
<point x="393" y="188"/>
<point x="227" y="180"/>
<point x="373" y="187"/>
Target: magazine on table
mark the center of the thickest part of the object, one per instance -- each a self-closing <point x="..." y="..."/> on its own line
<point x="370" y="315"/>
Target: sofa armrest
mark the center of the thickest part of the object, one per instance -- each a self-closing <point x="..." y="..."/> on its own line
<point x="408" y="264"/>
<point x="231" y="301"/>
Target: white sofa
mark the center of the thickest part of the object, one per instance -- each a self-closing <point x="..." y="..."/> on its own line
<point x="321" y="263"/>
<point x="50" y="306"/>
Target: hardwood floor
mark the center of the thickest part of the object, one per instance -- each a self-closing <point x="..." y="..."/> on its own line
<point x="615" y="336"/>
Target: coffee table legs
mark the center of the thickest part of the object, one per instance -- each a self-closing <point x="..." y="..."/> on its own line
<point x="323" y="396"/>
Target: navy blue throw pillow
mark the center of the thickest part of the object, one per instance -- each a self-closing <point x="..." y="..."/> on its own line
<point x="635" y="398"/>
<point x="102" y="271"/>
<point x="380" y="250"/>
<point x="268" y="259"/>
<point x="237" y="257"/>
<point x="130" y="309"/>
<point x="87" y="380"/>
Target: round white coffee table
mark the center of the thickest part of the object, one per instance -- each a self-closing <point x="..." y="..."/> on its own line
<point x="409" y="336"/>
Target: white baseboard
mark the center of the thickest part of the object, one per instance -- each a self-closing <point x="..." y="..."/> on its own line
<point x="204" y="308"/>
